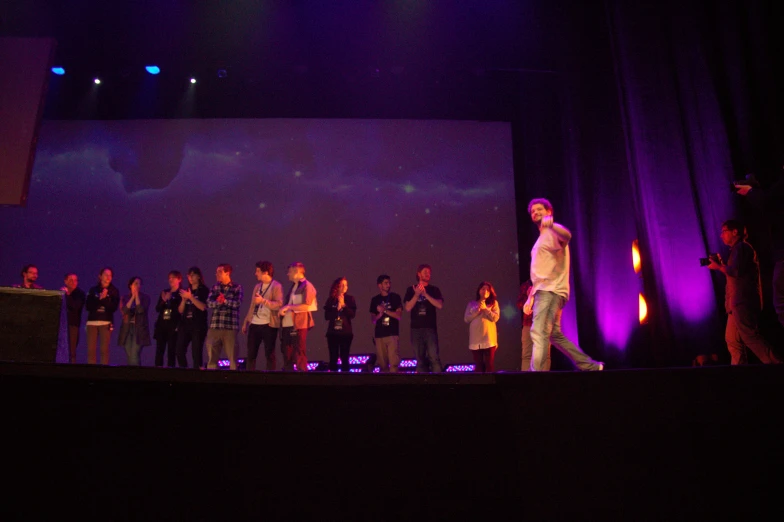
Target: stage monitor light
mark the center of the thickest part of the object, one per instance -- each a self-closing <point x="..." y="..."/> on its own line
<point x="225" y="363"/>
<point x="59" y="71"/>
<point x="152" y="69"/>
<point x="459" y="368"/>
<point x="97" y="81"/>
<point x="407" y="363"/>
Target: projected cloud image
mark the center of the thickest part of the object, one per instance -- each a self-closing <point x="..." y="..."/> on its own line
<point x="353" y="198"/>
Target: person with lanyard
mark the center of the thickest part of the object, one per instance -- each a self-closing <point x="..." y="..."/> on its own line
<point x="193" y="319"/>
<point x="135" y="330"/>
<point x="386" y="309"/>
<point x="29" y="278"/>
<point x="339" y="309"/>
<point x="422" y="300"/>
<point x="101" y="303"/>
<point x="225" y="300"/>
<point x="168" y="321"/>
<point x="262" y="322"/>
<point x="297" y="319"/>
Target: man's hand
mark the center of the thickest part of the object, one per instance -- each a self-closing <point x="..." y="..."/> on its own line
<point x="65" y="289"/>
<point x="221" y="299"/>
<point x="381" y="308"/>
<point x="186" y="294"/>
<point x="743" y="189"/>
<point x="418" y="289"/>
<point x="528" y="307"/>
<point x="283" y="310"/>
<point x="547" y="221"/>
<point x="258" y="300"/>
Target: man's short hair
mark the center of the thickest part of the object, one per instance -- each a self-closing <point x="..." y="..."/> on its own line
<point x="735" y="225"/>
<point x="26" y="268"/>
<point x="176" y="273"/>
<point x="225" y="267"/>
<point x="383" y="277"/>
<point x="540" y="201"/>
<point x="422" y="267"/>
<point x="69" y="274"/>
<point x="266" y="266"/>
<point x="299" y="266"/>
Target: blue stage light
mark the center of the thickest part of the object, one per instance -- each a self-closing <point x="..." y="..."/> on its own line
<point x="59" y="71"/>
<point x="153" y="69"/>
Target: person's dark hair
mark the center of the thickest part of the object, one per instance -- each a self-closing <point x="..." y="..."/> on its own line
<point x="490" y="300"/>
<point x="26" y="268"/>
<point x="102" y="270"/>
<point x="333" y="290"/>
<point x="196" y="270"/>
<point x="299" y="266"/>
<point x="523" y="295"/>
<point x="735" y="225"/>
<point x="383" y="277"/>
<point x="266" y="266"/>
<point x="131" y="280"/>
<point x="176" y="273"/>
<point x="226" y="268"/>
<point x="540" y="201"/>
<point x="422" y="267"/>
<point x="69" y="274"/>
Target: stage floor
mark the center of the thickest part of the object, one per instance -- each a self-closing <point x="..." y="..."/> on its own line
<point x="131" y="443"/>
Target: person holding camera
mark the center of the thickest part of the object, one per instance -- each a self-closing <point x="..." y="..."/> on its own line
<point x="743" y="296"/>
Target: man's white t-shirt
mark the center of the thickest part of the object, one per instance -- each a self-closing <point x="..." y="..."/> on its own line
<point x="550" y="264"/>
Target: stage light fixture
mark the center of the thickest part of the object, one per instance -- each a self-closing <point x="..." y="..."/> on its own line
<point x="636" y="257"/>
<point x="643" y="309"/>
<point x="222" y="73"/>
<point x="97" y="81"/>
<point x="459" y="368"/>
<point x="193" y="80"/>
<point x="59" y="71"/>
<point x="152" y="69"/>
<point x="407" y="363"/>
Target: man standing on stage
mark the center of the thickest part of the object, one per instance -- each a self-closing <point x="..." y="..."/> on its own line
<point x="422" y="300"/>
<point x="386" y="309"/>
<point x="743" y="296"/>
<point x="74" y="302"/>
<point x="550" y="278"/>
<point x="297" y="319"/>
<point x="225" y="300"/>
<point x="29" y="277"/>
<point x="262" y="322"/>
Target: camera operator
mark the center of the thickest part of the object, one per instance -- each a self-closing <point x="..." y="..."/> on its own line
<point x="771" y="203"/>
<point x="743" y="296"/>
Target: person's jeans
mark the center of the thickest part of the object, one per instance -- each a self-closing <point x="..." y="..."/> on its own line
<point x="425" y="343"/>
<point x="388" y="353"/>
<point x="743" y="332"/>
<point x="293" y="344"/>
<point x="93" y="333"/>
<point x="339" y="346"/>
<point x="190" y="333"/>
<point x="73" y="342"/>
<point x="217" y="339"/>
<point x="546" y="330"/>
<point x="132" y="349"/>
<point x="528" y="351"/>
<point x="484" y="359"/>
<point x="258" y="334"/>
<point x="167" y="340"/>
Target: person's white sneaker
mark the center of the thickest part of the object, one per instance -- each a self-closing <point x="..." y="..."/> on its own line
<point x="601" y="366"/>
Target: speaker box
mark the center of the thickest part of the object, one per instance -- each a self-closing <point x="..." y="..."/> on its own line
<point x="33" y="326"/>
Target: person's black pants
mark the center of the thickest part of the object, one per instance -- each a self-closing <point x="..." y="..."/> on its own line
<point x="258" y="334"/>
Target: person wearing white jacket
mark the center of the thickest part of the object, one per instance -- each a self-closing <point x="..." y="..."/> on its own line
<point x="481" y="316"/>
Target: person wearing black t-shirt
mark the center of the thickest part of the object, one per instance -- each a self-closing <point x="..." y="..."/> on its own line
<point x="101" y="303"/>
<point x="386" y="309"/>
<point x="193" y="321"/>
<point x="168" y="321"/>
<point x="422" y="300"/>
<point x="74" y="301"/>
<point x="339" y="310"/>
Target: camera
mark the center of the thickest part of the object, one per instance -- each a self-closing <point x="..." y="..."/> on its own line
<point x="705" y="261"/>
<point x="750" y="181"/>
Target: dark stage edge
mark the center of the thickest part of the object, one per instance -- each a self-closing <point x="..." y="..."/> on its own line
<point x="115" y="443"/>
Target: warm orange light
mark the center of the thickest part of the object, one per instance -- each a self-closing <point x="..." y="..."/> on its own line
<point x="636" y="260"/>
<point x="643" y="310"/>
